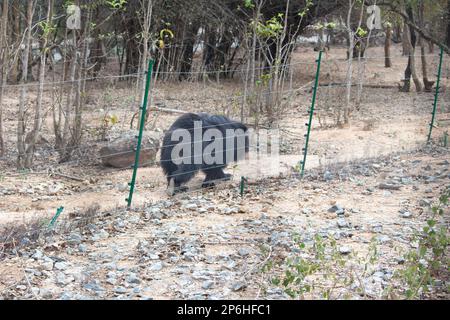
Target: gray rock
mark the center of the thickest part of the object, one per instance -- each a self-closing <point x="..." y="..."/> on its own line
<point x="208" y="284"/>
<point x="93" y="286"/>
<point x="120" y="290"/>
<point x="238" y="286"/>
<point x="430" y="179"/>
<point x="345" y="250"/>
<point x="342" y="223"/>
<point x="383" y="239"/>
<point x="191" y="206"/>
<point x="100" y="235"/>
<point x="156" y="266"/>
<point x="61" y="279"/>
<point x="406" y="214"/>
<point x="229" y="210"/>
<point x="328" y="176"/>
<point x="132" y="278"/>
<point x="66" y="296"/>
<point x="61" y="266"/>
<point x="244" y="252"/>
<point x="37" y="255"/>
<point x="406" y="180"/>
<point x="122" y="187"/>
<point x="337" y="209"/>
<point x="74" y="238"/>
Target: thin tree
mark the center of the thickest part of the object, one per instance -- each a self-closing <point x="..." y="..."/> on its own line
<point x="32" y="137"/>
<point x="23" y="99"/>
<point x="3" y="70"/>
<point x="387" y="45"/>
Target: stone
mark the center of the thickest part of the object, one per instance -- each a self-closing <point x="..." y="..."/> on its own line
<point x="37" y="255"/>
<point x="405" y="214"/>
<point x="328" y="176"/>
<point x="208" y="284"/>
<point x="61" y="279"/>
<point x="238" y="286"/>
<point x="191" y="206"/>
<point x="74" y="238"/>
<point x="337" y="209"/>
<point x="231" y="210"/>
<point x="93" y="286"/>
<point x="345" y="250"/>
<point x="120" y="290"/>
<point x="120" y="153"/>
<point x="244" y="252"/>
<point x="306" y="211"/>
<point x="383" y="239"/>
<point x="132" y="278"/>
<point x="389" y="186"/>
<point x="156" y="267"/>
<point x="61" y="266"/>
<point x="342" y="223"/>
<point x="66" y="296"/>
<point x="377" y="228"/>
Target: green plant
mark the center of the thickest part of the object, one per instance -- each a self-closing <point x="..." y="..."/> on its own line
<point x="321" y="269"/>
<point x="429" y="262"/>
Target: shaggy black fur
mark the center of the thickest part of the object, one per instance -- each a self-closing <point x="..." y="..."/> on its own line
<point x="179" y="174"/>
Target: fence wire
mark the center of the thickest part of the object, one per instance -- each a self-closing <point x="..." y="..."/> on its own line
<point x="381" y="120"/>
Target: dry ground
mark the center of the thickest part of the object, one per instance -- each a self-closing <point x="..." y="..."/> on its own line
<point x="206" y="245"/>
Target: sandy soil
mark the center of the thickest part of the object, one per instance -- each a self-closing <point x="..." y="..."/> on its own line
<point x="388" y="123"/>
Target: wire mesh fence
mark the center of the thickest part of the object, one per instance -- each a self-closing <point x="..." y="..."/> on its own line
<point x="359" y="117"/>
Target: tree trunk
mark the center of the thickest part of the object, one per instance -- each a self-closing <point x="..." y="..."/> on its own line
<point x="3" y="70"/>
<point x="387" y="46"/>
<point x="188" y="53"/>
<point x="405" y="36"/>
<point x="427" y="84"/>
<point x="16" y="35"/>
<point x="23" y="92"/>
<point x="33" y="135"/>
<point x="448" y="24"/>
<point x="64" y="150"/>
<point x="80" y="85"/>
<point x="411" y="40"/>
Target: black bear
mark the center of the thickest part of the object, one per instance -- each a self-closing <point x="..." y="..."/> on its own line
<point x="203" y="142"/>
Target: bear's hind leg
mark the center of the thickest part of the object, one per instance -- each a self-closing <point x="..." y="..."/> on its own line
<point x="182" y="175"/>
<point x="214" y="175"/>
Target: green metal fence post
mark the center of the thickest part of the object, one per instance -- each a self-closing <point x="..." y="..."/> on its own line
<point x="141" y="130"/>
<point x="311" y="113"/>
<point x="58" y="212"/>
<point x="436" y="95"/>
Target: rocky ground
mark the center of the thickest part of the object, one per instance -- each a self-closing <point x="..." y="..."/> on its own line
<point x="214" y="244"/>
<point x="367" y="187"/>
